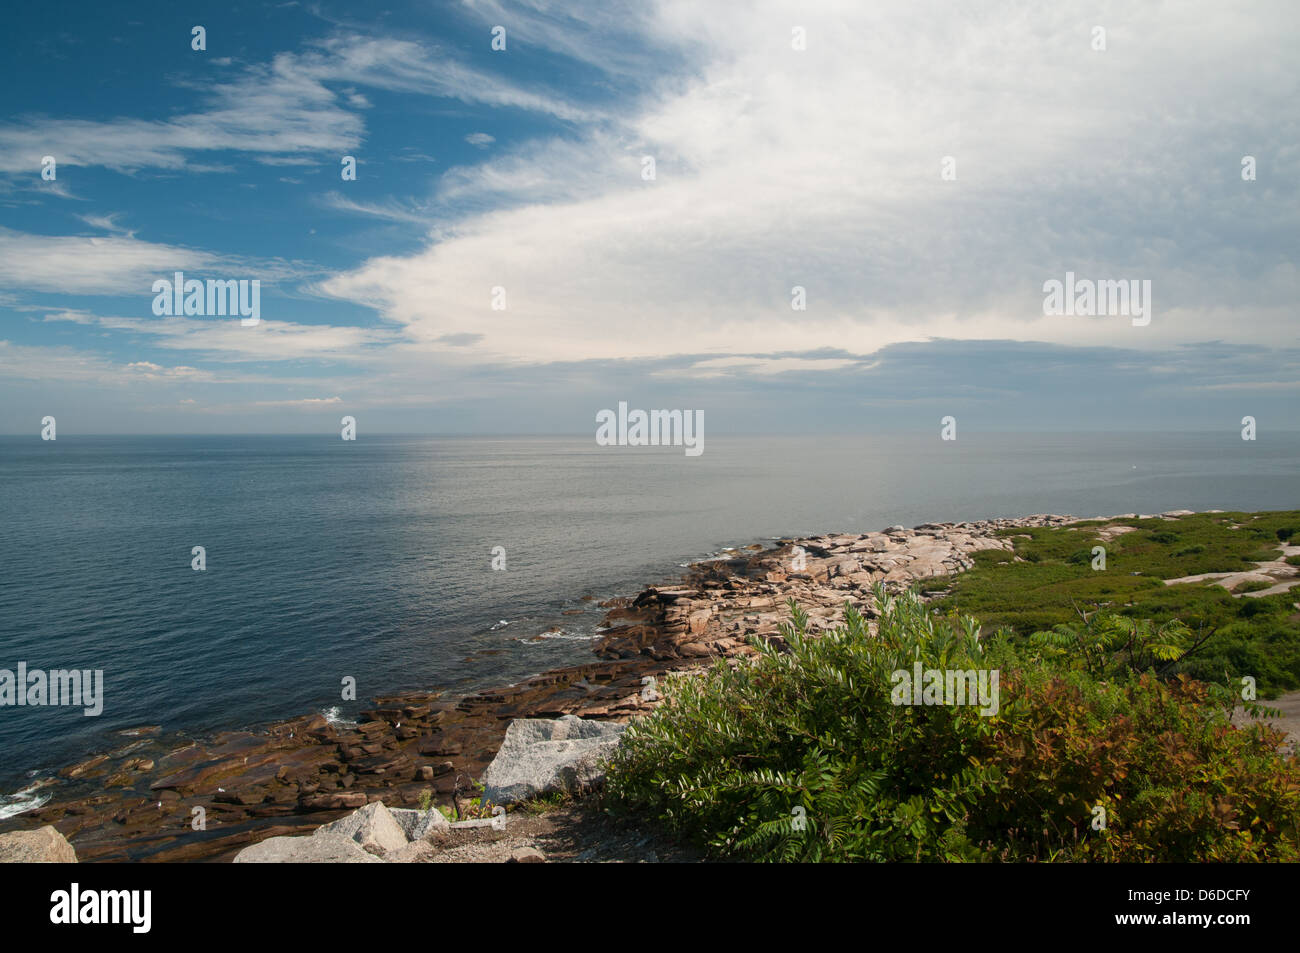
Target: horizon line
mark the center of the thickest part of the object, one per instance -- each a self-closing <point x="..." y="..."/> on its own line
<point x="587" y="433"/>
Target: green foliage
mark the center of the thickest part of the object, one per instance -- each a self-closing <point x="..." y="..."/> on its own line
<point x="1233" y="636"/>
<point x="1262" y="555"/>
<point x="802" y="755"/>
<point x="546" y="802"/>
<point x="1107" y="644"/>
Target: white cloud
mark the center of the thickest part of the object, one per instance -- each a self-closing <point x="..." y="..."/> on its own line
<point x="778" y="168"/>
<point x="71" y="264"/>
<point x="114" y="264"/>
<point x="763" y="366"/>
<point x="307" y="403"/>
<point x="390" y="210"/>
<point x="67" y="365"/>
<point x="106" y="223"/>
<point x="227" y="340"/>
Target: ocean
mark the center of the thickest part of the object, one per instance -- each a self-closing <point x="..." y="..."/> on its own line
<point x="329" y="559"/>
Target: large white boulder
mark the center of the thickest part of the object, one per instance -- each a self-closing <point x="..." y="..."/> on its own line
<point x="372" y="827"/>
<point x="417" y="825"/>
<point x="541" y="755"/>
<point x="317" y="849"/>
<point x="43" y="846"/>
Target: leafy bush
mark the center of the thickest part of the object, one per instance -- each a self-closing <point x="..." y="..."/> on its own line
<point x="803" y="755"/>
<point x="1107" y="644"/>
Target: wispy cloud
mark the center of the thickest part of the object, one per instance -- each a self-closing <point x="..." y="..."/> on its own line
<point x="227" y="340"/>
<point x="284" y="112"/>
<point x="114" y="264"/>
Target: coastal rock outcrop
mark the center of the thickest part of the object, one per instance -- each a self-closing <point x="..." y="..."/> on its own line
<point x="539" y="756"/>
<point x="137" y="802"/>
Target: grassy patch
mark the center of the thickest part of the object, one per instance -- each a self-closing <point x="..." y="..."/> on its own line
<point x="1051" y="582"/>
<point x="546" y="802"/>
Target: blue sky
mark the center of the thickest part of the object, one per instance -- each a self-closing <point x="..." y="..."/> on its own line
<point x="775" y="167"/>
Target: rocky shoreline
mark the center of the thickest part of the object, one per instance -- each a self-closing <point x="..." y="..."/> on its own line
<point x="297" y="775"/>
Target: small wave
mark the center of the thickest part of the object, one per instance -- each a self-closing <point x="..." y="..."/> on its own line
<point x="28" y="799"/>
<point x="561" y="635"/>
<point x="334" y="716"/>
<point x="500" y="625"/>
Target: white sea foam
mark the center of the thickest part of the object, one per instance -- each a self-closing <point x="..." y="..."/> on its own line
<point x="561" y="635"/>
<point x="334" y="716"/>
<point x="28" y="799"/>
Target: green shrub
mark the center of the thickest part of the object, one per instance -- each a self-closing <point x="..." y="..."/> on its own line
<point x="1267" y="554"/>
<point x="802" y="754"/>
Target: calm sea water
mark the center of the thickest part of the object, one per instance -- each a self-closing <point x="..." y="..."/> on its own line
<point x="372" y="559"/>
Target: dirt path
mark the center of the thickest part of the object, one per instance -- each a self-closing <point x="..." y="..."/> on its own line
<point x="578" y="832"/>
<point x="1288" y="720"/>
<point x="1279" y="572"/>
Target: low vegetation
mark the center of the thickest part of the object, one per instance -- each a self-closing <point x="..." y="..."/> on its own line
<point x="1049" y="581"/>
<point x="1098" y="749"/>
